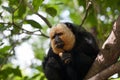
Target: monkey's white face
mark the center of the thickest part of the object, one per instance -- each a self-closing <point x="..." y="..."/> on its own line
<point x="65" y="38"/>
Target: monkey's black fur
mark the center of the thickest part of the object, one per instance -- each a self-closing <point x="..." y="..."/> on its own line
<point x="82" y="56"/>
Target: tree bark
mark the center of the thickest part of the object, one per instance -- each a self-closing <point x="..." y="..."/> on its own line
<point x="105" y="74"/>
<point x="109" y="53"/>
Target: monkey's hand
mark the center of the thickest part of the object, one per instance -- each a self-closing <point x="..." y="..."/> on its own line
<point x="65" y="57"/>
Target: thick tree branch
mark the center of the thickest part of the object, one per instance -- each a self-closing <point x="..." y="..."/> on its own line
<point x="110" y="52"/>
<point x="115" y="68"/>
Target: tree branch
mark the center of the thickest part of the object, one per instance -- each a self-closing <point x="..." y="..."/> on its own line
<point x="31" y="32"/>
<point x="45" y="20"/>
<point x="110" y="52"/>
<point x="87" y="9"/>
<point x="26" y="31"/>
<point x="42" y="17"/>
<point x="115" y="68"/>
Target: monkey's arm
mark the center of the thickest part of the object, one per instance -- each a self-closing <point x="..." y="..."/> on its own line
<point x="66" y="58"/>
<point x="88" y="44"/>
<point x="52" y="67"/>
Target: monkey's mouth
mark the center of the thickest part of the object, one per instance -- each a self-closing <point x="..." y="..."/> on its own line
<point x="59" y="45"/>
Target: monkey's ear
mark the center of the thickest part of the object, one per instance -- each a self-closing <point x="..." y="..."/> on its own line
<point x="69" y="25"/>
<point x="72" y="27"/>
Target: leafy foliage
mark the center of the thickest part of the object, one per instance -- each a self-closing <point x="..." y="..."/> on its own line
<point x="52" y="11"/>
<point x="6" y="72"/>
<point x="34" y="24"/>
<point x="14" y="30"/>
<point x="36" y="4"/>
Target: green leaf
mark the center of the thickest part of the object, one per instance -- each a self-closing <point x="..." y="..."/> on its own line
<point x="22" y="9"/>
<point x="36" y="4"/>
<point x="34" y="24"/>
<point x="15" y="31"/>
<point x="52" y="11"/>
<point x="5" y="72"/>
<point x="91" y="18"/>
<point x="39" y="54"/>
<point x="35" y="76"/>
<point x="39" y="68"/>
<point x="9" y="9"/>
<point x="3" y="27"/>
<point x="74" y="17"/>
<point x="0" y="2"/>
<point x="5" y="49"/>
<point x="17" y="72"/>
<point x="13" y="2"/>
<point x="9" y="70"/>
<point x="82" y="2"/>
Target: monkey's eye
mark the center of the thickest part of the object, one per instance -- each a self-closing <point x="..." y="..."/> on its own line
<point x="57" y="34"/>
<point x="53" y="37"/>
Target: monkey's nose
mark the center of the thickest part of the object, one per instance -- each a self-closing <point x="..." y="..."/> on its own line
<point x="58" y="42"/>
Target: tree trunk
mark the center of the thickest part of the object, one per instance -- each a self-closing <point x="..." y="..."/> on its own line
<point x="108" y="56"/>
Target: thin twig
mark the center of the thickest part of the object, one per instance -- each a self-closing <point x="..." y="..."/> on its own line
<point x="87" y="9"/>
<point x="45" y="20"/>
<point x="31" y="32"/>
<point x="42" y="34"/>
<point x="6" y="23"/>
<point x="26" y="31"/>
